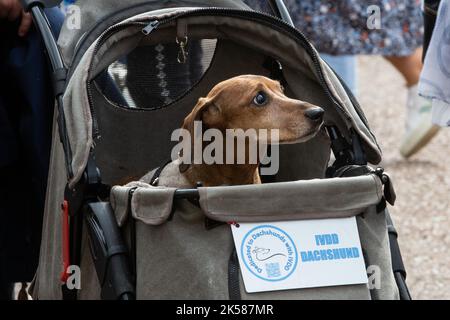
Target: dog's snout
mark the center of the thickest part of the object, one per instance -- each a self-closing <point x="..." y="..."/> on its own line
<point x="315" y="113"/>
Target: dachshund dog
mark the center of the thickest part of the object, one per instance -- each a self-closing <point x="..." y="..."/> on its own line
<point x="243" y="102"/>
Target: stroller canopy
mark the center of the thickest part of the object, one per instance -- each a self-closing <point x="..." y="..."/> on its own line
<point x="232" y="40"/>
<point x="99" y="15"/>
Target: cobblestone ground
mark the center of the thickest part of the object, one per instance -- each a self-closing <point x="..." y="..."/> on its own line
<point x="422" y="211"/>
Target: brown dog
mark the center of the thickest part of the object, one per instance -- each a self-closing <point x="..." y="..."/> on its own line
<point x="247" y="102"/>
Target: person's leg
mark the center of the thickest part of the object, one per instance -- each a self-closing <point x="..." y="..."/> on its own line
<point x="409" y="66"/>
<point x="345" y="67"/>
<point x="9" y="148"/>
<point x="26" y="113"/>
<point x="419" y="127"/>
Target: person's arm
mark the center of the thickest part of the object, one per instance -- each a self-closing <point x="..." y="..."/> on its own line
<point x="12" y="10"/>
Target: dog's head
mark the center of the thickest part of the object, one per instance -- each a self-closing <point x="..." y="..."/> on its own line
<point x="256" y="102"/>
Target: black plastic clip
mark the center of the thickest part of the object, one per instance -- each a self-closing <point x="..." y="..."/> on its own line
<point x="389" y="191"/>
<point x="28" y="4"/>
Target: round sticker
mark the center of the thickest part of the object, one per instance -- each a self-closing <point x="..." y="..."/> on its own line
<point x="269" y="253"/>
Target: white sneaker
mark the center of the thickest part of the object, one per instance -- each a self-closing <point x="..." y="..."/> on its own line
<point x="419" y="127"/>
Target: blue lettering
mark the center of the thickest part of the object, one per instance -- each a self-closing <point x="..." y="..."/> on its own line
<point x="330" y="254"/>
<point x="334" y="238"/>
<point x="304" y="256"/>
<point x="316" y="255"/>
<point x="349" y="252"/>
<point x="323" y="255"/>
<point x="326" y="239"/>
<point x="288" y="264"/>
<point x="336" y="254"/>
<point x="320" y="240"/>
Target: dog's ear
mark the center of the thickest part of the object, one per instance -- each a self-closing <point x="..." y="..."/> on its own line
<point x="205" y="111"/>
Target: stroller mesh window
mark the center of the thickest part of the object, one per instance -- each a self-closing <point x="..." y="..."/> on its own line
<point x="152" y="77"/>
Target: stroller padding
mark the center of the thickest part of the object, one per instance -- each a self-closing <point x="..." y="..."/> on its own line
<point x="297" y="200"/>
<point x="151" y="205"/>
<point x="184" y="241"/>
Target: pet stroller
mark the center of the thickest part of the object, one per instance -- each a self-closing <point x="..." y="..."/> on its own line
<point x="124" y="80"/>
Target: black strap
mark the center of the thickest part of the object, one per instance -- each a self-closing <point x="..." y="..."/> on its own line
<point x="155" y="178"/>
<point x="396" y="256"/>
<point x="397" y="261"/>
<point x="234" y="291"/>
<point x="211" y="224"/>
<point x="112" y="251"/>
<point x="59" y="81"/>
<point x="381" y="206"/>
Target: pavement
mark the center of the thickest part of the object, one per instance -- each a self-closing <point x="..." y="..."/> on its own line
<point x="422" y="211"/>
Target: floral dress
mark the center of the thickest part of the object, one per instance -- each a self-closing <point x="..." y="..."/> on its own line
<point x="341" y="27"/>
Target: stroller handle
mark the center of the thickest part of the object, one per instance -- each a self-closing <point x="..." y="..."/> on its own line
<point x="59" y="72"/>
<point x="28" y="4"/>
<point x="279" y="8"/>
<point x="36" y="9"/>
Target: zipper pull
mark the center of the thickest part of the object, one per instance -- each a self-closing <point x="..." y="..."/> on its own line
<point x="150" y="27"/>
<point x="183" y="52"/>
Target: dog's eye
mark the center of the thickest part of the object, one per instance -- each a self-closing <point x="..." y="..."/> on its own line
<point x="260" y="99"/>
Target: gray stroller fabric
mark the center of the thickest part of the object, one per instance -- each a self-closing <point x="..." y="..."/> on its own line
<point x="180" y="258"/>
<point x="297" y="200"/>
<point x="150" y="205"/>
<point x="99" y="15"/>
<point x="162" y="247"/>
<point x="47" y="284"/>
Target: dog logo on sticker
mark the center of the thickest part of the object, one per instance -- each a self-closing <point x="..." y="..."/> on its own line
<point x="269" y="253"/>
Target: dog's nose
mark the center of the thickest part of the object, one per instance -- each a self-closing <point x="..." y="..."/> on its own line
<point x="315" y="113"/>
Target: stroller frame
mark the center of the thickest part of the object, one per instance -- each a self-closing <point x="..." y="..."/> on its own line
<point x="113" y="263"/>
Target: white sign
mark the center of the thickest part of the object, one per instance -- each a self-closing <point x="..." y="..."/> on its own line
<point x="299" y="254"/>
